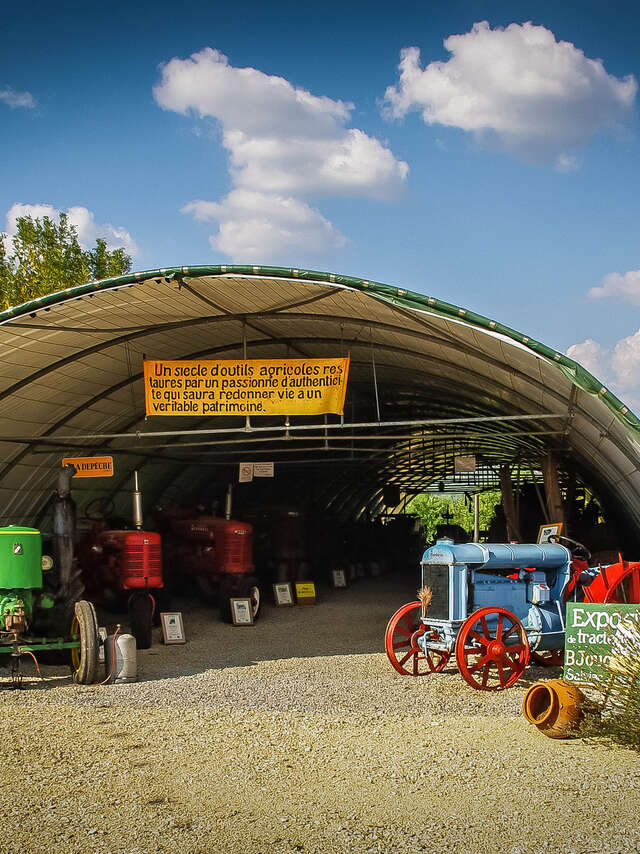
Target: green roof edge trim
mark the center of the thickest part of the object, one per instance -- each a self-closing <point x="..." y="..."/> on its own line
<point x="574" y="371"/>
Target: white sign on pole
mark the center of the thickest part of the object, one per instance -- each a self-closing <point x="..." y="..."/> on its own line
<point x="245" y="474"/>
<point x="263" y="469"/>
<point x="462" y="465"/>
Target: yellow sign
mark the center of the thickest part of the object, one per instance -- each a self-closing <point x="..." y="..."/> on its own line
<point x="91" y="466"/>
<point x="305" y="590"/>
<point x="249" y="387"/>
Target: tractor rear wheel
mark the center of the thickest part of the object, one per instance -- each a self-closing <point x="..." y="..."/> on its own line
<point x="84" y="658"/>
<point x="492" y="649"/>
<point x="141" y="609"/>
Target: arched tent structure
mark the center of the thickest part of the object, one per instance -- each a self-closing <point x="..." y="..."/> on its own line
<point x="429" y="381"/>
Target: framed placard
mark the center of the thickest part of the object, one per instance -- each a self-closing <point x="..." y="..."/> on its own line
<point x="283" y="593"/>
<point x="241" y="613"/>
<point x="339" y="577"/>
<point x="554" y="529"/>
<point x="172" y="627"/>
<point x="305" y="593"/>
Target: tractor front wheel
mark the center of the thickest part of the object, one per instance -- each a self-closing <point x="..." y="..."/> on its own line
<point x="492" y="649"/>
<point x="401" y="643"/>
<point x="84" y="657"/>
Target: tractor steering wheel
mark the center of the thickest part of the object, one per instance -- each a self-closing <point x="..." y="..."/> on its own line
<point x="99" y="508"/>
<point x="577" y="549"/>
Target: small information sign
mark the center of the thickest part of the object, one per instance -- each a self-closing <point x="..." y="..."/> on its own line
<point x="554" y="529"/>
<point x="263" y="469"/>
<point x="282" y="593"/>
<point x="305" y="593"/>
<point x="172" y="627"/>
<point x="339" y="577"/>
<point x="590" y="633"/>
<point x="241" y="613"/>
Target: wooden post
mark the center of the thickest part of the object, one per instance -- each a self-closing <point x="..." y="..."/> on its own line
<point x="555" y="506"/>
<point x="513" y="528"/>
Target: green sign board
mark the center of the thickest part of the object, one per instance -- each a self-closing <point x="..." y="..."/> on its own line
<point x="591" y="632"/>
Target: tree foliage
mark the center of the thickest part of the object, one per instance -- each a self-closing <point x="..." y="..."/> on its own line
<point x="435" y="510"/>
<point x="45" y="256"/>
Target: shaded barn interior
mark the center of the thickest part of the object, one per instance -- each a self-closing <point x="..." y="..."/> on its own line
<point x="428" y="382"/>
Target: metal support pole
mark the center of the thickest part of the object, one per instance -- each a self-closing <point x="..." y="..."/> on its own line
<point x="476" y="517"/>
<point x="375" y="378"/>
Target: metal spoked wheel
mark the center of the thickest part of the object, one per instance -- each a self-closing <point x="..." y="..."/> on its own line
<point x="84" y="657"/>
<point x="626" y="590"/>
<point x="492" y="649"/>
<point x="401" y="643"/>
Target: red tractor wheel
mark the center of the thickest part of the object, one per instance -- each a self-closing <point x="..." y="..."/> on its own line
<point x="492" y="658"/>
<point x="401" y="643"/>
<point x="626" y="589"/>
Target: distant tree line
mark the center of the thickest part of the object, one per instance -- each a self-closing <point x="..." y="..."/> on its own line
<point x="434" y="510"/>
<point x="45" y="256"/>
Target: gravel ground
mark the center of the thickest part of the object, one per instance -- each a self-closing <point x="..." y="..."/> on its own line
<point x="297" y="735"/>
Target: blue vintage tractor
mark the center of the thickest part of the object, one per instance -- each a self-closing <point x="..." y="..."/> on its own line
<point x="493" y="606"/>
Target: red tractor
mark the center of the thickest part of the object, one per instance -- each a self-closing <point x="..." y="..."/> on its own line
<point x="216" y="553"/>
<point x="119" y="564"/>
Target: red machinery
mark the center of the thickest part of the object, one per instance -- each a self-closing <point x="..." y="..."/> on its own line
<point x="217" y="553"/>
<point x="117" y="562"/>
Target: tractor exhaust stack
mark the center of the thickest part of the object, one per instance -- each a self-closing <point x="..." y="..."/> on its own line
<point x="227" y="503"/>
<point x="137" y="503"/>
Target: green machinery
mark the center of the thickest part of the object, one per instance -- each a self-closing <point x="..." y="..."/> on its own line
<point x="25" y="610"/>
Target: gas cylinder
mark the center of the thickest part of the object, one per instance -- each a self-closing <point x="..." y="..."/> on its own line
<point x="122" y="647"/>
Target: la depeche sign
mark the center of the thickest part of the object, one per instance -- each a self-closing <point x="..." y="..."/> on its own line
<point x="247" y="387"/>
<point x="90" y="466"/>
<point x="590" y="634"/>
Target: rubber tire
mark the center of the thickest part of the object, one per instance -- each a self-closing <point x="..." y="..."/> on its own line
<point x="140" y="607"/>
<point x="86" y="673"/>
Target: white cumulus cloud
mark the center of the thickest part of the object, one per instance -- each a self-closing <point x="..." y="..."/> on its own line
<point x="591" y="356"/>
<point x="285" y="146"/>
<point x="618" y="368"/>
<point x="262" y="227"/>
<point x="519" y="87"/>
<point x="15" y="99"/>
<point x="625" y="363"/>
<point x="624" y="287"/>
<point x="83" y="219"/>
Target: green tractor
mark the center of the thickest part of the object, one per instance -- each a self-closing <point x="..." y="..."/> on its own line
<point x="27" y="612"/>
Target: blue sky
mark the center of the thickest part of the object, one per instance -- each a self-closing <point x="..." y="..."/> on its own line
<point x="499" y="171"/>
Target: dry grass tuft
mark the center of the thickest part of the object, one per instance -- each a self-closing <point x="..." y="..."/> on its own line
<point x="425" y="595"/>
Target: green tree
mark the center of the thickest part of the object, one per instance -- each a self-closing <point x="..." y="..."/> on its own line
<point x="434" y="510"/>
<point x="45" y="256"/>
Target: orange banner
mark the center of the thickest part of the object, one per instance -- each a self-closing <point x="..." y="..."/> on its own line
<point x="91" y="466"/>
<point x="247" y="387"/>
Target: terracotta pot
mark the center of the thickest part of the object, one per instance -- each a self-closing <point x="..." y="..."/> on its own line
<point x="555" y="707"/>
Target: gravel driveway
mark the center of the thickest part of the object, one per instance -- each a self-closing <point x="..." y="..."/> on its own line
<point x="297" y="735"/>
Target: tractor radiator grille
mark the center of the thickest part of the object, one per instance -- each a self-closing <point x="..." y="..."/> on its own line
<point x="436" y="576"/>
<point x="134" y="560"/>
